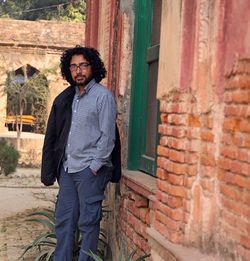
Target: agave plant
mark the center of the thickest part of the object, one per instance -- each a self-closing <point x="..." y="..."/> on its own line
<point x="128" y="258"/>
<point x="46" y="242"/>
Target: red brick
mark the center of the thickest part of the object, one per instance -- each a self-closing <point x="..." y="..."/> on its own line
<point x="246" y="200"/>
<point x="171" y="201"/>
<point x="175" y="237"/>
<point x="191" y="158"/>
<point x="229" y="152"/>
<point x="170" y="107"/>
<point x="162" y="151"/>
<point x="225" y="163"/>
<point x="242" y="81"/>
<point x="192" y="170"/>
<point x="164" y="118"/>
<point x="141" y="202"/>
<point x="175" y="179"/>
<point x="193" y="145"/>
<point x="231" y="192"/>
<point x="178" y="191"/>
<point x="231" y="125"/>
<point x="178" y="144"/>
<point x="162" y="128"/>
<point x="161" y="174"/>
<point x="207" y="136"/>
<point x="194" y="121"/>
<point x="162" y="162"/>
<point x="208" y="160"/>
<point x="236" y="111"/>
<point x="179" y="120"/>
<point x="233" y="139"/>
<point x="207" y="148"/>
<point x="143" y="214"/>
<point x="245" y="126"/>
<point x="140" y="228"/>
<point x="171" y="224"/>
<point x="176" y="168"/>
<point x="164" y="141"/>
<point x="175" y="214"/>
<point x="176" y="156"/>
<point x="189" y="181"/>
<point x="241" y="96"/>
<point x="193" y="133"/>
<point x="231" y="206"/>
<point x="245" y="169"/>
<point x="236" y="166"/>
<point x="243" y="155"/>
<point x="246" y="143"/>
<point x="176" y="131"/>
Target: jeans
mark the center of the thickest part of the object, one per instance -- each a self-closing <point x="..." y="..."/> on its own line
<point x="79" y="203"/>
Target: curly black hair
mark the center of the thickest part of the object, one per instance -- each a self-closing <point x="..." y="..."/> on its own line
<point x="90" y="54"/>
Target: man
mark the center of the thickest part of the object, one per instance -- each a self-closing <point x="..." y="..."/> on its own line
<point x="79" y="140"/>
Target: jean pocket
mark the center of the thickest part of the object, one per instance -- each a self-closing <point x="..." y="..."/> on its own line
<point x="93" y="210"/>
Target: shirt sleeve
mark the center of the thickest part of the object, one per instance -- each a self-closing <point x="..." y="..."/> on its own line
<point x="107" y="111"/>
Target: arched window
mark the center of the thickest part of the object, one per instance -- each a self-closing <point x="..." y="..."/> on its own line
<point x="27" y="91"/>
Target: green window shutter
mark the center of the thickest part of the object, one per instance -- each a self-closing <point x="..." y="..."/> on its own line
<point x="144" y="106"/>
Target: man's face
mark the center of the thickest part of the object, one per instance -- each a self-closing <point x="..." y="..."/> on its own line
<point x="81" y="71"/>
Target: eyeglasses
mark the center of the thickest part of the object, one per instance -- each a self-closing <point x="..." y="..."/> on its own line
<point x="82" y="66"/>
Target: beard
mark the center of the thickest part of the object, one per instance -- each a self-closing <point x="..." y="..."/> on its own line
<point x="82" y="80"/>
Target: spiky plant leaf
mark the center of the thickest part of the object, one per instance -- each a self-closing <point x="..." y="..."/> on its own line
<point x="42" y="255"/>
<point x="50" y="254"/>
<point x="45" y="222"/>
<point x="94" y="256"/>
<point x="35" y="242"/>
<point x="47" y="214"/>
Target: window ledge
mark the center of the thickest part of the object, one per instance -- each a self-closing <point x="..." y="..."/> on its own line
<point x="140" y="182"/>
<point x="175" y="252"/>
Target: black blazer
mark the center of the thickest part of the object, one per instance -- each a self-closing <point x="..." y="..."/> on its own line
<point x="56" y="137"/>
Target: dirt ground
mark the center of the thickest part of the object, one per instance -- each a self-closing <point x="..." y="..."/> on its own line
<point x="21" y="194"/>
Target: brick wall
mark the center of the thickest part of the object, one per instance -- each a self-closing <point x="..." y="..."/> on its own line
<point x="234" y="164"/>
<point x="204" y="170"/>
<point x="134" y="216"/>
<point x="41" y="33"/>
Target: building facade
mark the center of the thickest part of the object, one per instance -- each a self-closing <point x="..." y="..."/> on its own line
<point x="180" y="71"/>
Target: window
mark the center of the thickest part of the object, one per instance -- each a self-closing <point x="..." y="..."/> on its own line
<point x="144" y="105"/>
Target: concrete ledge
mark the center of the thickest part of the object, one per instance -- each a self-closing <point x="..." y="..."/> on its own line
<point x="167" y="251"/>
<point x="140" y="182"/>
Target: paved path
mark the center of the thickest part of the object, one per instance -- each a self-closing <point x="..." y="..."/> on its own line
<point x="21" y="194"/>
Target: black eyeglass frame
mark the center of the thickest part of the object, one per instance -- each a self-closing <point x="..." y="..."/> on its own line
<point x="82" y="66"/>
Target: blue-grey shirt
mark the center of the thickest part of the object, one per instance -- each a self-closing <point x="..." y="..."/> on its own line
<point x="92" y="133"/>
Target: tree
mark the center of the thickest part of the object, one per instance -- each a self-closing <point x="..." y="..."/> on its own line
<point x="66" y="10"/>
<point x="31" y="91"/>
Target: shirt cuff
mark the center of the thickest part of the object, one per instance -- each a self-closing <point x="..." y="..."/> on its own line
<point x="95" y="165"/>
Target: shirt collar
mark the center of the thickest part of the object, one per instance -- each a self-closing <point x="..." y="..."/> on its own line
<point x="87" y="87"/>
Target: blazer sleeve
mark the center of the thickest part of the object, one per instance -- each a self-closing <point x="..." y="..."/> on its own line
<point x="48" y="166"/>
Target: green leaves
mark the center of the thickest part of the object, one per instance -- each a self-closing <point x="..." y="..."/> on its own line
<point x="45" y="242"/>
<point x="46" y="10"/>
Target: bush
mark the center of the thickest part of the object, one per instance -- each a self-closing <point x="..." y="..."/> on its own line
<point x="8" y="158"/>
